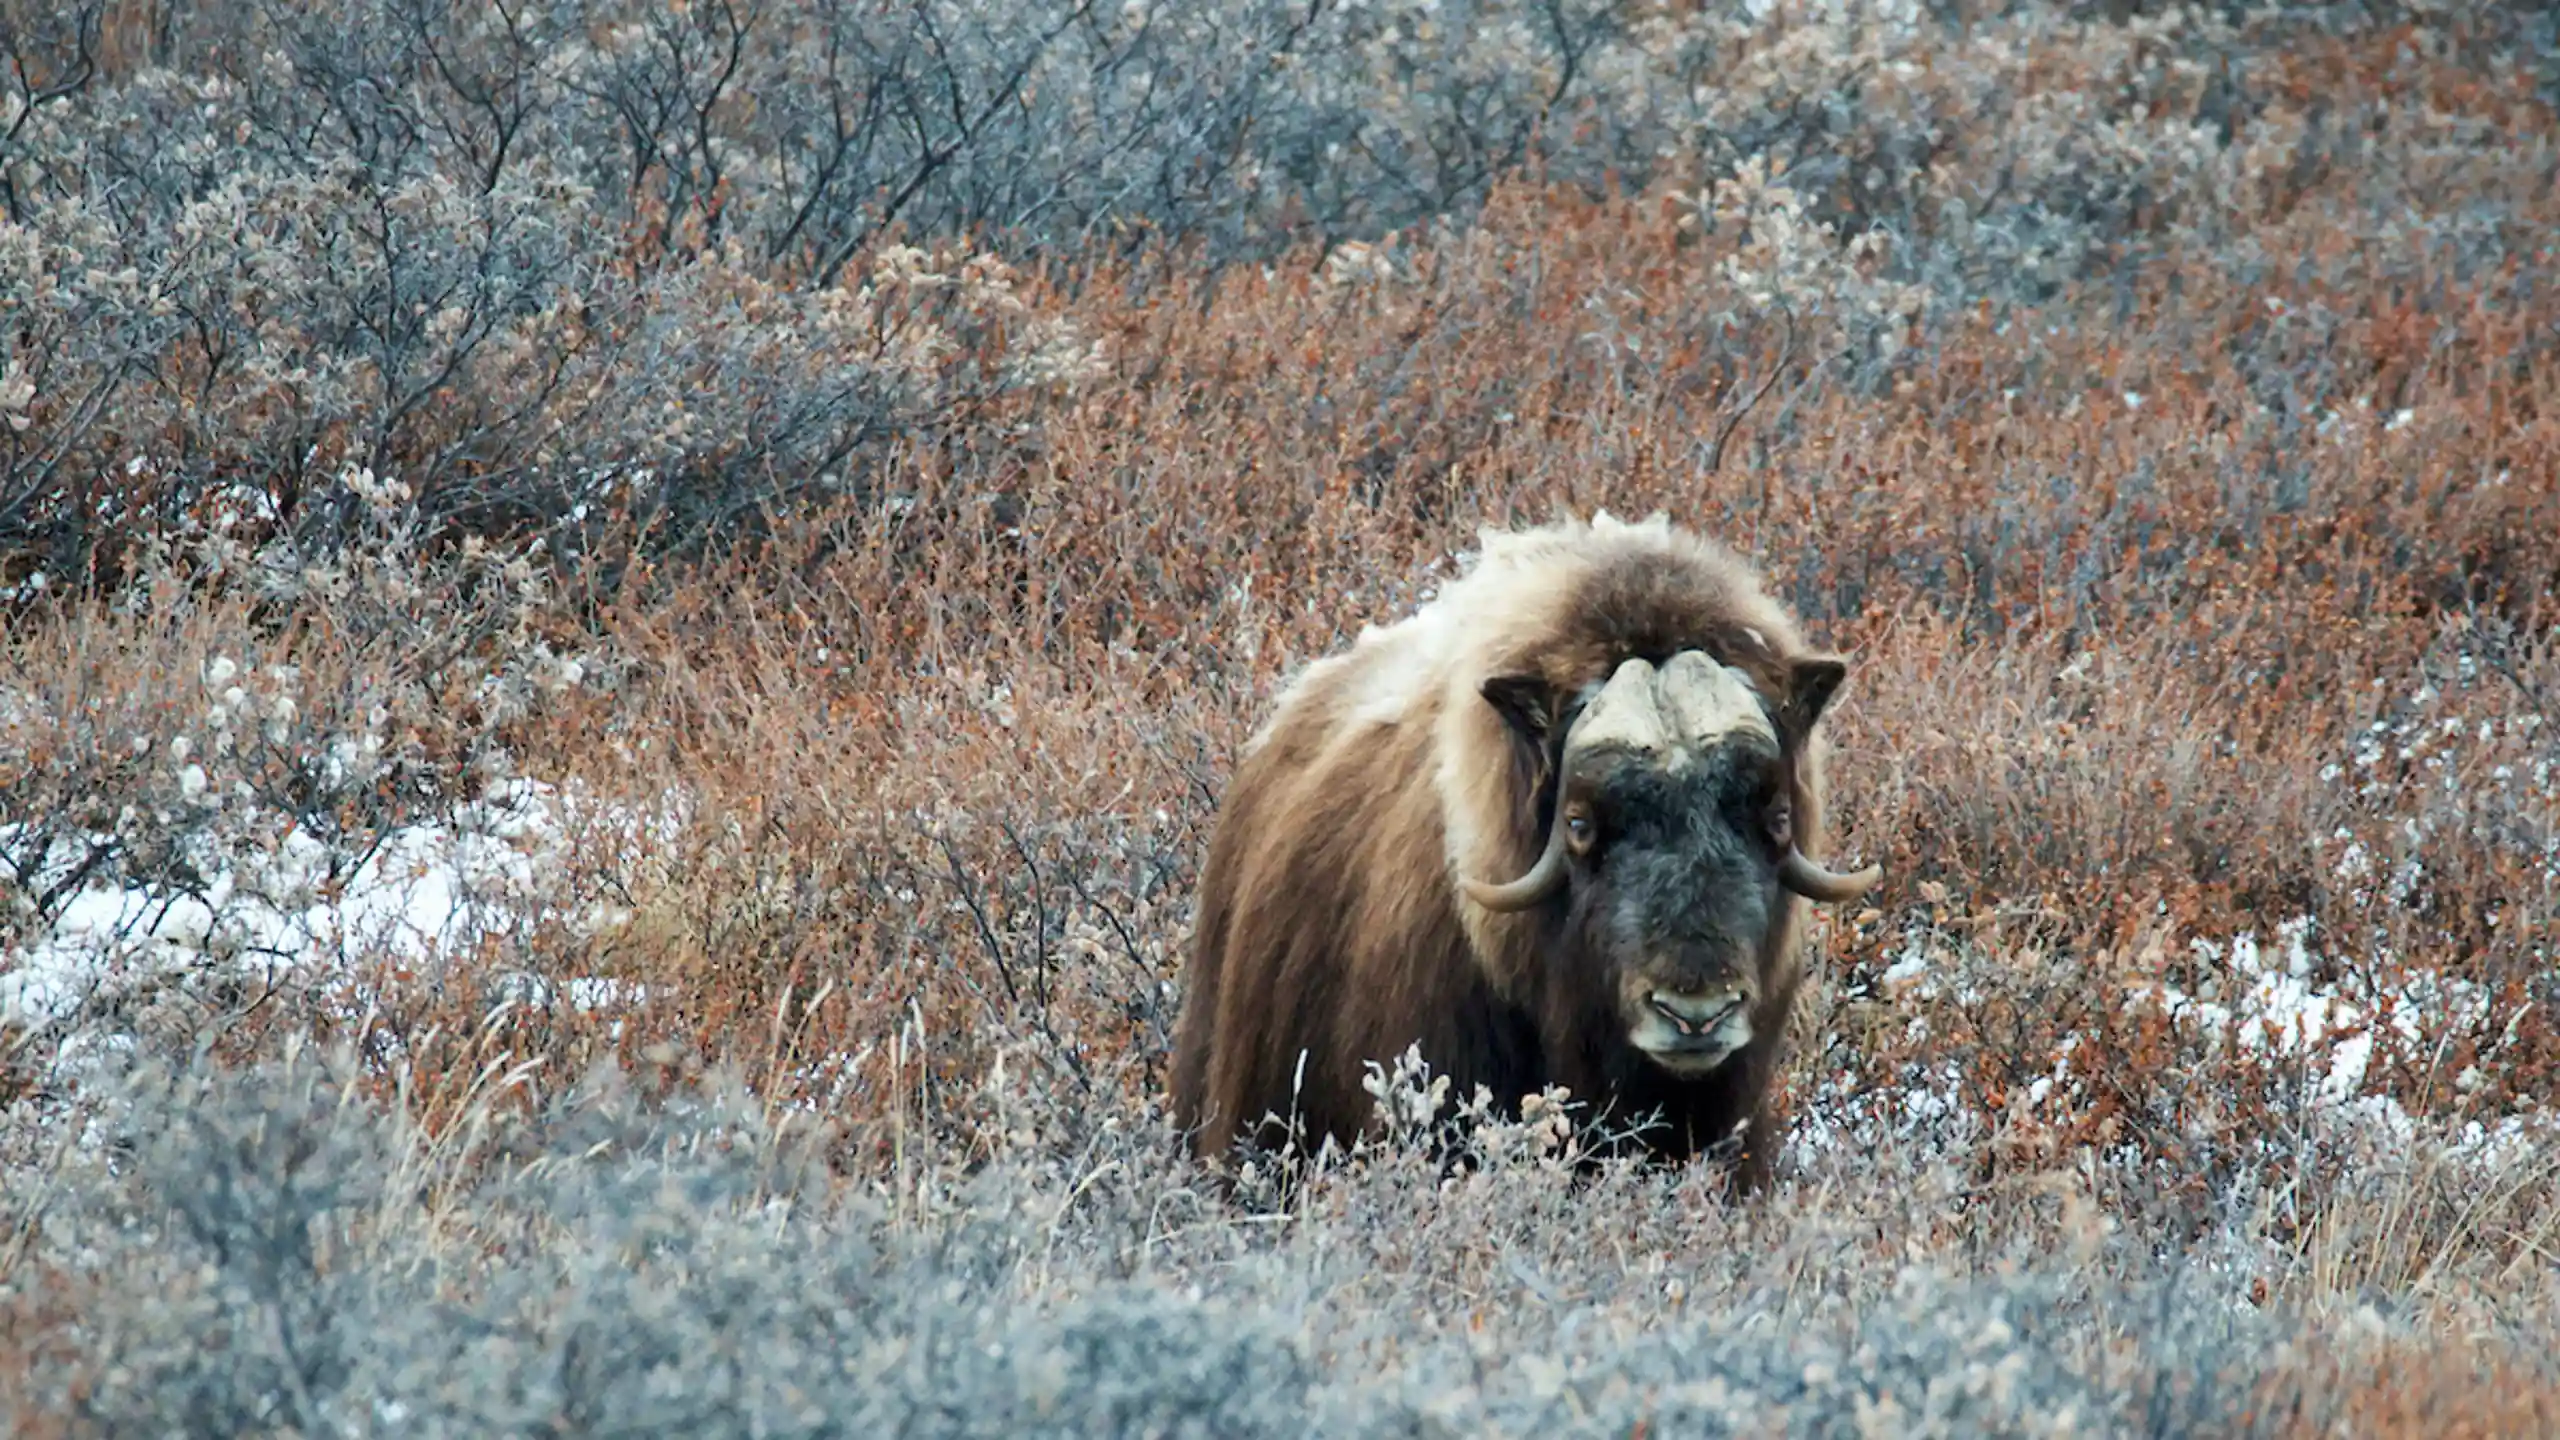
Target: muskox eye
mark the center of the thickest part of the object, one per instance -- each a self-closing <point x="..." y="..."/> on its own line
<point x="1782" y="823"/>
<point x="1578" y="829"/>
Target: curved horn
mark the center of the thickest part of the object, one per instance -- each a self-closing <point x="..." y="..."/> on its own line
<point x="1811" y="880"/>
<point x="1538" y="884"/>
<point x="1546" y="876"/>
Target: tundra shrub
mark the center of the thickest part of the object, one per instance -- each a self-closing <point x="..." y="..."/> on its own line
<point x="268" y="1250"/>
<point x="636" y="275"/>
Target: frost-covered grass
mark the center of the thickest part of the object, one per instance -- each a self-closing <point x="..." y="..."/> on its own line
<point x="509" y="582"/>
<point x="626" y="1256"/>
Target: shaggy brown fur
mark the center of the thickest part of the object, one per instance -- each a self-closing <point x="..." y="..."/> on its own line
<point x="1330" y="926"/>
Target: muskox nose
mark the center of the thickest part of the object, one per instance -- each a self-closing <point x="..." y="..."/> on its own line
<point x="1695" y="1014"/>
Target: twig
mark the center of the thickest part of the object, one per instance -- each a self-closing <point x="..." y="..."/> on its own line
<point x="977" y="912"/>
<point x="1724" y="433"/>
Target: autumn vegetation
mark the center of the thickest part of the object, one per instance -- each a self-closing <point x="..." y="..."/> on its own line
<point x="803" y="501"/>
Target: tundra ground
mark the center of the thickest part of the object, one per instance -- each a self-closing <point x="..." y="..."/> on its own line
<point x="623" y="628"/>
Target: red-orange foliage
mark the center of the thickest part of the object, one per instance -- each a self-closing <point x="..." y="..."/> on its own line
<point x="2214" y="596"/>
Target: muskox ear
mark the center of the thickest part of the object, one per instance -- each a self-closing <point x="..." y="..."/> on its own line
<point x="1811" y="682"/>
<point x="1525" y="702"/>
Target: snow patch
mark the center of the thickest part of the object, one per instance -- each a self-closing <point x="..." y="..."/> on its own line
<point x="293" y="909"/>
<point x="2266" y="1001"/>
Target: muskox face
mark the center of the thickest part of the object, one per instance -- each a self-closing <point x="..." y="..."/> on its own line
<point x="1672" y="847"/>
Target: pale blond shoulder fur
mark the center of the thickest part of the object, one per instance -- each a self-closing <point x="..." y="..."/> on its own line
<point x="1425" y="669"/>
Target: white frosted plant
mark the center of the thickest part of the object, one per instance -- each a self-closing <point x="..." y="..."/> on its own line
<point x="1409" y="1098"/>
<point x="1782" y="263"/>
<point x="1416" y="1108"/>
<point x="17" y="397"/>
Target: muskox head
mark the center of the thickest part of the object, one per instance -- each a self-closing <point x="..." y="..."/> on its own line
<point x="1672" y="845"/>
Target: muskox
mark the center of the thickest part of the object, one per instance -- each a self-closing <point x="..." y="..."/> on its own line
<point x="1557" y="827"/>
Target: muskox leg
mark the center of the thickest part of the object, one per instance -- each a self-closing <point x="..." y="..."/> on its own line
<point x="1753" y="1158"/>
<point x="1754" y="1163"/>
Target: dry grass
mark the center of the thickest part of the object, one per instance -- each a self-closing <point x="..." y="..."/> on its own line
<point x="2207" y="596"/>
